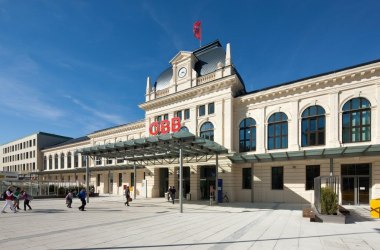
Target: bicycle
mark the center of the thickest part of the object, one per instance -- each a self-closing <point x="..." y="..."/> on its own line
<point x="225" y="198"/>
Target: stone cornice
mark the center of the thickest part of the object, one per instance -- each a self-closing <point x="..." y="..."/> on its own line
<point x="120" y="129"/>
<point x="67" y="146"/>
<point x="221" y="83"/>
<point x="308" y="85"/>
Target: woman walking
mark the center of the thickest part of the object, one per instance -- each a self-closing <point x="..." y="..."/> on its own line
<point x="9" y="200"/>
<point x="27" y="199"/>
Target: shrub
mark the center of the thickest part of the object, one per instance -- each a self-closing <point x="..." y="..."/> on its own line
<point x="329" y="201"/>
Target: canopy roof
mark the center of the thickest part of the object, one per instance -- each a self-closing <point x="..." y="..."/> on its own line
<point x="365" y="150"/>
<point x="158" y="150"/>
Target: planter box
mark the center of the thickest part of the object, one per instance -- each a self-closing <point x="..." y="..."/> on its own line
<point x="324" y="218"/>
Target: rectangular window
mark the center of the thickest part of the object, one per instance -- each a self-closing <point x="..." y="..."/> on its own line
<point x="98" y="160"/>
<point x="166" y="116"/>
<point x="247" y="178"/>
<point x="98" y="180"/>
<point x="109" y="161"/>
<point x="84" y="177"/>
<point x="277" y="178"/>
<point x="120" y="179"/>
<point x="179" y="114"/>
<point x="187" y="114"/>
<point x="312" y="171"/>
<point x="132" y="179"/>
<point x="34" y="142"/>
<point x="211" y="108"/>
<point x="120" y="160"/>
<point x="84" y="161"/>
<point x="202" y="110"/>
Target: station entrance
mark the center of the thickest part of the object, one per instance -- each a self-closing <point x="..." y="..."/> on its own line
<point x="355" y="184"/>
<point x="207" y="181"/>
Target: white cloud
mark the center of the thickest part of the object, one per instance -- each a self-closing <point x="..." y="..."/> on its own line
<point x="19" y="98"/>
<point x="114" y="119"/>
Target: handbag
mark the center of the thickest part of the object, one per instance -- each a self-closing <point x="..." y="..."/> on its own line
<point x="129" y="199"/>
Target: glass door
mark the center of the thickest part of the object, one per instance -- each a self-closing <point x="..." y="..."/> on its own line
<point x="363" y="190"/>
<point x="348" y="190"/>
<point x="207" y="179"/>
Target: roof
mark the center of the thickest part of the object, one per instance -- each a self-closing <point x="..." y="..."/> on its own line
<point x="72" y="141"/>
<point x="117" y="126"/>
<point x="38" y="133"/>
<point x="208" y="58"/>
<point x="161" y="149"/>
<point x="313" y="76"/>
<point x="326" y="153"/>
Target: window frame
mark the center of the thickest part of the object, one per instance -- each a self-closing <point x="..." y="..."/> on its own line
<point x="308" y="119"/>
<point x="252" y="132"/>
<point x="274" y="184"/>
<point x="201" y="110"/>
<point x="309" y="179"/>
<point x="284" y="134"/>
<point x="246" y="178"/>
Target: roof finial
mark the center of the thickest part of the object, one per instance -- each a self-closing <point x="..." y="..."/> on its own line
<point x="148" y="85"/>
<point x="228" y="55"/>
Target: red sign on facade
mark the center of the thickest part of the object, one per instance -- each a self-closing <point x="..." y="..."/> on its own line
<point x="165" y="126"/>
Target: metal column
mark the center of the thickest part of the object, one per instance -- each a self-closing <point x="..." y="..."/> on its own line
<point x="134" y="184"/>
<point x="180" y="180"/>
<point x="216" y="179"/>
<point x="88" y="182"/>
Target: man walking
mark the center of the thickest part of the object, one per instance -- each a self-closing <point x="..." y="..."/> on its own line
<point x="172" y="192"/>
<point x="82" y="196"/>
<point x="9" y="200"/>
<point x="127" y="195"/>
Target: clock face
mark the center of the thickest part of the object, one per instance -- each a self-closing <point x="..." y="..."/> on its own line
<point x="182" y="72"/>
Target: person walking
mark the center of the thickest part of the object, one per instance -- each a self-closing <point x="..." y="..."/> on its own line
<point x="27" y="199"/>
<point x="169" y="192"/>
<point x="127" y="195"/>
<point x="16" y="198"/>
<point x="82" y="196"/>
<point x="69" y="199"/>
<point x="173" y="193"/>
<point x="9" y="200"/>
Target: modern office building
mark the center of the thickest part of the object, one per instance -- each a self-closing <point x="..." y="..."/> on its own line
<point x="24" y="155"/>
<point x="278" y="138"/>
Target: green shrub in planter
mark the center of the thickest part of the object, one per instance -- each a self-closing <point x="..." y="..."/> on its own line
<point x="329" y="201"/>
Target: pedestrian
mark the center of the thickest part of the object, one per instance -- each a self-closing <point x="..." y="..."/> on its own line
<point x="173" y="193"/>
<point x="169" y="192"/>
<point x="27" y="199"/>
<point x="16" y="198"/>
<point x="127" y="195"/>
<point x="69" y="199"/>
<point x="82" y="196"/>
<point x="9" y="200"/>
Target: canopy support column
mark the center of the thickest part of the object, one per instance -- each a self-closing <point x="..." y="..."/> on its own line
<point x="180" y="180"/>
<point x="134" y="184"/>
<point x="216" y="191"/>
<point x="88" y="182"/>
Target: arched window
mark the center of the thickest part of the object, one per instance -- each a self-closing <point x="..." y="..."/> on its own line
<point x="76" y="160"/>
<point x="62" y="160"/>
<point x="56" y="161"/>
<point x="247" y="135"/>
<point x="207" y="131"/>
<point x="50" y="162"/>
<point x="278" y="131"/>
<point x="69" y="160"/>
<point x="45" y="163"/>
<point x="313" y="126"/>
<point x="84" y="160"/>
<point x="356" y="120"/>
<point x="184" y="128"/>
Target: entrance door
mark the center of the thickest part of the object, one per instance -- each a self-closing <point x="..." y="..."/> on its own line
<point x="207" y="180"/>
<point x="185" y="180"/>
<point x="164" y="181"/>
<point x="355" y="184"/>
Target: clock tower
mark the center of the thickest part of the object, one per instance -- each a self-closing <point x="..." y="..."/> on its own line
<point x="183" y="71"/>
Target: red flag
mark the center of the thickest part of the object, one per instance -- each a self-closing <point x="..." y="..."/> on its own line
<point x="197" y="30"/>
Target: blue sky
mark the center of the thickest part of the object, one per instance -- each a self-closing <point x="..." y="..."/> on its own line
<point x="73" y="67"/>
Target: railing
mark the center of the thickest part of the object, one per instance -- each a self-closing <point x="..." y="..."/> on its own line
<point x="206" y="78"/>
<point x="320" y="182"/>
<point x="162" y="92"/>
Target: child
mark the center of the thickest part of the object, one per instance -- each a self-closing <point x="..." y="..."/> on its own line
<point x="27" y="199"/>
<point x="69" y="199"/>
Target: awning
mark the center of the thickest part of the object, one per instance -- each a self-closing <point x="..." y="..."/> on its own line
<point x="327" y="153"/>
<point x="158" y="150"/>
<point x="83" y="169"/>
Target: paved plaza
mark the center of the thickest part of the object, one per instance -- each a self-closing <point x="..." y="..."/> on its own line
<point x="158" y="224"/>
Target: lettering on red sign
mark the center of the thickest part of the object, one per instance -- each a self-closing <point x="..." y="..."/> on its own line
<point x="165" y="126"/>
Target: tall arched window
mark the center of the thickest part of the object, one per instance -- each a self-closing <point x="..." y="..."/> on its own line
<point x="247" y="135"/>
<point x="69" y="160"/>
<point x="313" y="126"/>
<point x="45" y="163"/>
<point x="278" y="131"/>
<point x="50" y="162"/>
<point x="356" y="120"/>
<point x="56" y="161"/>
<point x="62" y="160"/>
<point x="76" y="160"/>
<point x="184" y="128"/>
<point x="207" y="131"/>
